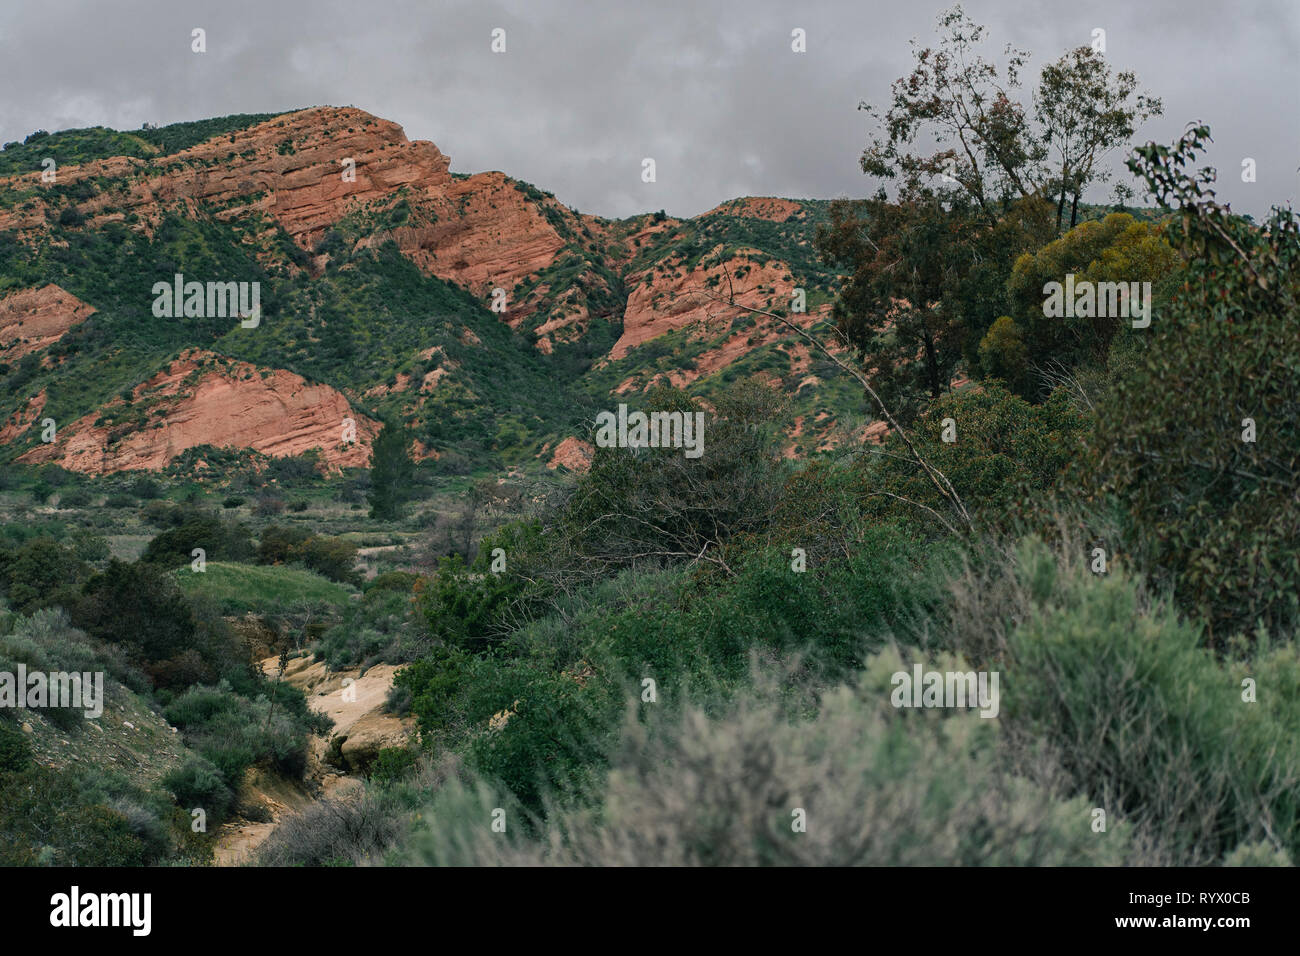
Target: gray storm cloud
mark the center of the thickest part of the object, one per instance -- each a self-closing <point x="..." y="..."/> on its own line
<point x="711" y="90"/>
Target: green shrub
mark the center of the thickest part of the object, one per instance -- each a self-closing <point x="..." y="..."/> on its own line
<point x="400" y="581"/>
<point x="89" y="546"/>
<point x="99" y="836"/>
<point x="335" y="558"/>
<point x="636" y="505"/>
<point x="1145" y="721"/>
<point x="392" y="763"/>
<point x="145" y="488"/>
<point x="379" y="628"/>
<point x="15" y="752"/>
<point x="75" y="498"/>
<point x="1007" y="457"/>
<point x="219" y="539"/>
<point x="60" y="818"/>
<point x="234" y="731"/>
<point x="541" y="709"/>
<point x="295" y="469"/>
<point x="553" y="731"/>
<point x="159" y="514"/>
<point x="460" y="606"/>
<point x="431" y="686"/>
<point x="198" y="784"/>
<point x="41" y="573"/>
<point x="137" y="607"/>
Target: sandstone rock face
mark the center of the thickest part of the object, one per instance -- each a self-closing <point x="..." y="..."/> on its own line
<point x="488" y="235"/>
<point x="291" y="167"/>
<point x="358" y="714"/>
<point x="204" y="399"/>
<point x="685" y="297"/>
<point x="479" y="231"/>
<point x="369" y="735"/>
<point x="34" y="319"/>
<point x="573" y="453"/>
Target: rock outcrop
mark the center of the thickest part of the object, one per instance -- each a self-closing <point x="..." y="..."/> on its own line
<point x="573" y="454"/>
<point x="758" y="207"/>
<point x="205" y="399"/>
<point x="353" y="700"/>
<point x="34" y="319"/>
<point x="670" y="296"/>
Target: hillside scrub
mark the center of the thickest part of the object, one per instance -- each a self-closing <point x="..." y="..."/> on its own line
<point x="1097" y="680"/>
<point x="74" y="813"/>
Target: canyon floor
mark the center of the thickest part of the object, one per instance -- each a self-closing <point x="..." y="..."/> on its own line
<point x="357" y="711"/>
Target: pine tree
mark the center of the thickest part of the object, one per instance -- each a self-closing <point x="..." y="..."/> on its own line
<point x="391" y="471"/>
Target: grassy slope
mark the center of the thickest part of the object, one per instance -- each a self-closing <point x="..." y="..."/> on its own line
<point x="241" y="588"/>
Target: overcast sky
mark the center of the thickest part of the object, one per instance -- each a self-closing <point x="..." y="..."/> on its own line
<point x="585" y="90"/>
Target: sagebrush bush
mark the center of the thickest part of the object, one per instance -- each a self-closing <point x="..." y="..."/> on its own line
<point x="1146" y="721"/>
<point x="73" y="817"/>
<point x="356" y="829"/>
<point x="876" y="786"/>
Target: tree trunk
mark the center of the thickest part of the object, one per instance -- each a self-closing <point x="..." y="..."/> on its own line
<point x="931" y="361"/>
<point x="1074" y="210"/>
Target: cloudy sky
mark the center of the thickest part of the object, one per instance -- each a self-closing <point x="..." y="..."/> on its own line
<point x="585" y="90"/>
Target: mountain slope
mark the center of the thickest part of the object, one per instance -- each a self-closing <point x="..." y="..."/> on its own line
<point x="482" y="312"/>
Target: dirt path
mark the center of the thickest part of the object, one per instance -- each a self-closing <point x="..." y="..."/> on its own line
<point x="237" y="839"/>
